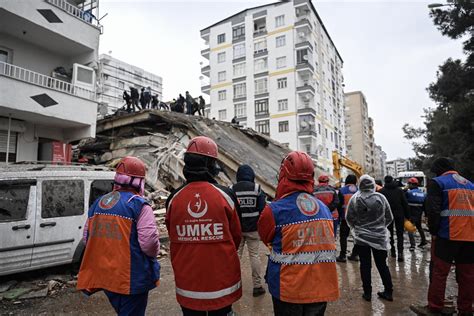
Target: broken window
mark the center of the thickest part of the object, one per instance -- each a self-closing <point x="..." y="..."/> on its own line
<point x="99" y="188"/>
<point x="62" y="198"/>
<point x="14" y="196"/>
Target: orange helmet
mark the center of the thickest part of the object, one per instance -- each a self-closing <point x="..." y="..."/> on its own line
<point x="297" y="165"/>
<point x="323" y="178"/>
<point x="131" y="166"/>
<point x="413" y="181"/>
<point x="202" y="145"/>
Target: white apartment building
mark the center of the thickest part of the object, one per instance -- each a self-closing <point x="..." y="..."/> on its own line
<point x="117" y="76"/>
<point x="276" y="69"/>
<point x="48" y="63"/>
<point x="394" y="167"/>
<point x="380" y="164"/>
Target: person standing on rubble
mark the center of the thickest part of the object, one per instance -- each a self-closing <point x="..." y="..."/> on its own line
<point x="368" y="214"/>
<point x="345" y="194"/>
<point x="328" y="195"/>
<point x="299" y="230"/>
<point x="450" y="210"/>
<point x="252" y="201"/>
<point x="189" y="103"/>
<point x="134" y="96"/>
<point x="416" y="203"/>
<point x="204" y="230"/>
<point x="122" y="243"/>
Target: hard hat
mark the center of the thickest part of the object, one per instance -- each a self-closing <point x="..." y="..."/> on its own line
<point x="323" y="178"/>
<point x="202" y="145"/>
<point x="409" y="227"/>
<point x="297" y="165"/>
<point x="413" y="181"/>
<point x="131" y="166"/>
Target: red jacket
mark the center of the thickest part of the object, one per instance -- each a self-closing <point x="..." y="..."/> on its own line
<point x="204" y="230"/>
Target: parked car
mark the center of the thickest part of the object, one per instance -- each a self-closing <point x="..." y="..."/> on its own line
<point x="43" y="209"/>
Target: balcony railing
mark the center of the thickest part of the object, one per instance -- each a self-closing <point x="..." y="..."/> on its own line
<point x="25" y="75"/>
<point x="85" y="16"/>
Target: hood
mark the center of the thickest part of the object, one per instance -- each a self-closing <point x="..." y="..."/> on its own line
<point x="199" y="168"/>
<point x="245" y="173"/>
<point x="123" y="182"/>
<point x="367" y="184"/>
<point x="287" y="186"/>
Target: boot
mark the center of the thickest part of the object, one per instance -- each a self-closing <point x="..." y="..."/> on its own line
<point x="353" y="257"/>
<point x="386" y="295"/>
<point x="258" y="291"/>
<point x="425" y="311"/>
<point x="341" y="258"/>
<point x="367" y="296"/>
<point x="422" y="244"/>
<point x="393" y="253"/>
<point x="400" y="257"/>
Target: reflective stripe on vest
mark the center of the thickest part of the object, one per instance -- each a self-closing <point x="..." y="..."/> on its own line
<point x="304" y="257"/>
<point x="209" y="295"/>
<point x="415" y="204"/>
<point x="446" y="213"/>
<point x="253" y="214"/>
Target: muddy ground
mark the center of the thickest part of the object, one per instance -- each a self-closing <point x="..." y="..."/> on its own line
<point x="410" y="279"/>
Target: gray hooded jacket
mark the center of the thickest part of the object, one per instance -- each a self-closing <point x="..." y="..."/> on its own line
<point x="368" y="214"/>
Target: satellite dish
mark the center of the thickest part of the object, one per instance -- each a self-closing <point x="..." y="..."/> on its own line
<point x="305" y="57"/>
<point x="201" y="77"/>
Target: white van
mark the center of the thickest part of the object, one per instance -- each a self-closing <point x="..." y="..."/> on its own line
<point x="404" y="176"/>
<point x="43" y="209"/>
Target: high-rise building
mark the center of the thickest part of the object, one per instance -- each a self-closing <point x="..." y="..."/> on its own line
<point x="380" y="158"/>
<point x="48" y="63"/>
<point x="276" y="69"/>
<point x="117" y="76"/>
<point x="359" y="130"/>
<point x="394" y="167"/>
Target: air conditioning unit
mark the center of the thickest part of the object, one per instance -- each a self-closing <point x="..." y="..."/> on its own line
<point x="302" y="34"/>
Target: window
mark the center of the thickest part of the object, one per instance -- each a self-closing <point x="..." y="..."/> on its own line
<point x="261" y="107"/>
<point x="240" y="110"/>
<point x="279" y="21"/>
<point x="239" y="50"/>
<point x="221" y="76"/>
<point x="221" y="95"/>
<point x="301" y="56"/>
<point x="3" y="56"/>
<point x="260" y="46"/>
<point x="14" y="197"/>
<point x="261" y="64"/>
<point x="222" y="115"/>
<point x="239" y="70"/>
<point x="283" y="105"/>
<point x="332" y="137"/>
<point x="319" y="128"/>
<point x="221" y="57"/>
<point x="238" y="32"/>
<point x="283" y="126"/>
<point x="221" y="38"/>
<point x="281" y="62"/>
<point x="121" y="85"/>
<point x="62" y="198"/>
<point x="240" y="90"/>
<point x="282" y="83"/>
<point x="99" y="188"/>
<point x="280" y="41"/>
<point x="263" y="127"/>
<point x="326" y="133"/>
<point x="261" y="86"/>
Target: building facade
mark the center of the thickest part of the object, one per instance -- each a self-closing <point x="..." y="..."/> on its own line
<point x="275" y="69"/>
<point x="117" y="76"/>
<point x="380" y="167"/>
<point x="48" y="64"/>
<point x="394" y="167"/>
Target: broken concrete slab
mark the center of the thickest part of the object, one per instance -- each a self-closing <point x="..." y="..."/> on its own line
<point x="35" y="294"/>
<point x="7" y="285"/>
<point x="52" y="284"/>
<point x="15" y="293"/>
<point x="58" y="277"/>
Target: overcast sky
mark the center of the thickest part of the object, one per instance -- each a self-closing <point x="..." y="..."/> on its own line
<point x="391" y="50"/>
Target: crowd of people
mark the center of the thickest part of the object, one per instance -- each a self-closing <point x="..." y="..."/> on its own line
<point x="210" y="224"/>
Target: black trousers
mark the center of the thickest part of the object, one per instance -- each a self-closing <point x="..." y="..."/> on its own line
<point x="380" y="258"/>
<point x="416" y="220"/>
<point x="281" y="308"/>
<point x="344" y="232"/>
<point x="400" y="229"/>
<point x="220" y="312"/>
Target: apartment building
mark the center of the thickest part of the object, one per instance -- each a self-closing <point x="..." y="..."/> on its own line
<point x="117" y="76"/>
<point x="276" y="69"/>
<point x="380" y="163"/>
<point x="394" y="167"/>
<point x="48" y="63"/>
<point x="359" y="130"/>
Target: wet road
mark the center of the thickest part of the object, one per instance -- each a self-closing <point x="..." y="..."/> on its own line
<point x="410" y="279"/>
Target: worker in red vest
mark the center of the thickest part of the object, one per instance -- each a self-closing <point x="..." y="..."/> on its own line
<point x="299" y="230"/>
<point x="204" y="231"/>
<point x="450" y="210"/>
<point x="328" y="195"/>
<point x="122" y="243"/>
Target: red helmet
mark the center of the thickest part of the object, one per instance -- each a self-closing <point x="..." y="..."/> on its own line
<point x="131" y="166"/>
<point x="323" y="178"/>
<point x="297" y="165"/>
<point x="202" y="145"/>
<point x="413" y="181"/>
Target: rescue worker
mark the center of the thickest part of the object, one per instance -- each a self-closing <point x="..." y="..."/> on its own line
<point x="204" y="230"/>
<point x="252" y="201"/>
<point x="416" y="200"/>
<point x="345" y="194"/>
<point x="122" y="243"/>
<point x="399" y="206"/>
<point x="368" y="214"/>
<point x="328" y="195"/>
<point x="450" y="210"/>
<point x="299" y="230"/>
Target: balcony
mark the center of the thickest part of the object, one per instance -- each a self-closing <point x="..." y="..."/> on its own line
<point x="206" y="89"/>
<point x="259" y="27"/>
<point x="206" y="70"/>
<point x="84" y="15"/>
<point x="260" y="32"/>
<point x="303" y="24"/>
<point x="304" y="67"/>
<point x="306" y="86"/>
<point x="205" y="53"/>
<point x="306" y="109"/>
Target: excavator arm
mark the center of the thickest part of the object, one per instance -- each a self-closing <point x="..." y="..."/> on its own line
<point x="341" y="161"/>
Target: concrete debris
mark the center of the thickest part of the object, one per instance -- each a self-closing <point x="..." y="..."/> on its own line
<point x="15" y="293"/>
<point x="7" y="285"/>
<point x="35" y="294"/>
<point x="53" y="285"/>
<point x="58" y="277"/>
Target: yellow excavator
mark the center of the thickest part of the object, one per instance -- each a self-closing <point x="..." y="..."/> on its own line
<point x="339" y="161"/>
